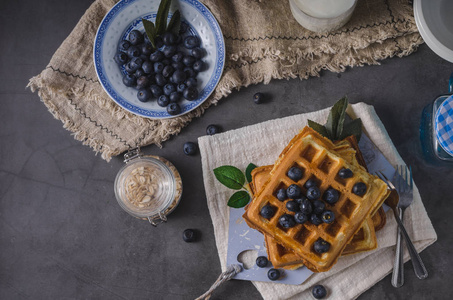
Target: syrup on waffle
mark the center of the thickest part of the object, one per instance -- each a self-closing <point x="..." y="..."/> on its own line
<point x="319" y="161"/>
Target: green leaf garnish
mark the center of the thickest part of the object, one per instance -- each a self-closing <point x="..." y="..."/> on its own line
<point x="352" y="128"/>
<point x="175" y="23"/>
<point x="319" y="128"/>
<point x="150" y="31"/>
<point x="162" y="15"/>
<point x="248" y="172"/>
<point x="230" y="177"/>
<point x="239" y="199"/>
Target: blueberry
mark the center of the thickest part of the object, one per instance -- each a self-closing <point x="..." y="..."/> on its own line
<point x="313" y="193"/>
<point x="345" y="173"/>
<point x="359" y="189"/>
<point x="139" y="73"/>
<point x="174" y="97"/>
<point x="188" y="60"/>
<point x="135" y="37"/>
<point x="293" y="191"/>
<point x="295" y="174"/>
<point x="331" y="196"/>
<point x="156" y="90"/>
<point x="169" y="88"/>
<point x="189" y="148"/>
<point x="167" y="71"/>
<point x="197" y="52"/>
<point x="292" y="206"/>
<point x="146" y="49"/>
<point x="142" y="82"/>
<point x="306" y="207"/>
<point x="169" y="51"/>
<point x="190" y="93"/>
<point x="173" y="109"/>
<point x="178" y="65"/>
<point x="198" y="66"/>
<point x="262" y="261"/>
<point x="163" y="101"/>
<point x="319" y="291"/>
<point x="328" y="217"/>
<point x="156" y="56"/>
<point x="189" y="235"/>
<point x="135" y="63"/>
<point x="133" y="51"/>
<point x="129" y="69"/>
<point x="258" y="98"/>
<point x="148" y="67"/>
<point x="212" y="129"/>
<point x="321" y="246"/>
<point x="300" y="218"/>
<point x="309" y="183"/>
<point x="160" y="80"/>
<point x="178" y="76"/>
<point x="191" y="81"/>
<point x="177" y="57"/>
<point x="124" y="45"/>
<point x="287" y="221"/>
<point x="267" y="211"/>
<point x="318" y="207"/>
<point x="281" y="195"/>
<point x="158" y="42"/>
<point x="301" y="199"/>
<point x="129" y="80"/>
<point x="168" y="38"/>
<point x="273" y="274"/>
<point x="181" y="87"/>
<point x="315" y="219"/>
<point x="183" y="28"/>
<point x="191" y="42"/>
<point x="121" y="58"/>
<point x="158" y="67"/>
<point x="144" y="95"/>
<point x="190" y="72"/>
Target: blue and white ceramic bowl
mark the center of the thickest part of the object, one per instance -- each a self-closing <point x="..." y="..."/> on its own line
<point x="125" y="16"/>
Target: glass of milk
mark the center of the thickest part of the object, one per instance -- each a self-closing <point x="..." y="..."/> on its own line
<point x="322" y="15"/>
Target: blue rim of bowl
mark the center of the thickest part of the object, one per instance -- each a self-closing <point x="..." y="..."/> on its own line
<point x="205" y="93"/>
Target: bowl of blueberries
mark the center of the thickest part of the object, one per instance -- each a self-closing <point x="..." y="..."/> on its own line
<point x="165" y="78"/>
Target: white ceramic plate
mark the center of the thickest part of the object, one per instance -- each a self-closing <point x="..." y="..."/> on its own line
<point x="434" y="19"/>
<point x="126" y="16"/>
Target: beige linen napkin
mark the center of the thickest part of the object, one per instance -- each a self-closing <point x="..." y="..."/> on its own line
<point x="261" y="144"/>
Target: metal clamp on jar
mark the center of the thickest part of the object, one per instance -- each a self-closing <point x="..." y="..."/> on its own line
<point x="148" y="187"/>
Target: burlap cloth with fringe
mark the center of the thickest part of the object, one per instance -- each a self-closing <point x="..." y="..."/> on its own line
<point x="263" y="42"/>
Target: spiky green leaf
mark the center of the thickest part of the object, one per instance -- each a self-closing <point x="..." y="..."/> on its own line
<point x="162" y="15"/>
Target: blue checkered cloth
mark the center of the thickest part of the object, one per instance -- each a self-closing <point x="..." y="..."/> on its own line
<point x="444" y="125"/>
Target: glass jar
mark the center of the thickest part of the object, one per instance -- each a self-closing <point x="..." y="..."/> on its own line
<point x="148" y="187"/>
<point x="430" y="136"/>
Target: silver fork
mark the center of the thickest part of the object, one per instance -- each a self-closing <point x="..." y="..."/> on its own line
<point x="393" y="203"/>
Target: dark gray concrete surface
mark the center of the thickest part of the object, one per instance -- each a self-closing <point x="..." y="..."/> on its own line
<point x="62" y="234"/>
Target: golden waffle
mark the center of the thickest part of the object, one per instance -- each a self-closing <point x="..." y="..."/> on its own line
<point x="280" y="257"/>
<point x="316" y="156"/>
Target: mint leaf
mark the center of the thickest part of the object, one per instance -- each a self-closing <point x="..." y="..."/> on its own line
<point x="239" y="199"/>
<point x="335" y="120"/>
<point x="319" y="128"/>
<point x="175" y="23"/>
<point x="230" y="177"/>
<point x="162" y="15"/>
<point x="248" y="172"/>
<point x="150" y="31"/>
<point x="352" y="128"/>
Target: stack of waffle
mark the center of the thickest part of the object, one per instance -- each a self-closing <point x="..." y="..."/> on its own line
<point x="357" y="218"/>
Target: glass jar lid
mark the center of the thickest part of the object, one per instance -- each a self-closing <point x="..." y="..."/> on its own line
<point x="444" y="125"/>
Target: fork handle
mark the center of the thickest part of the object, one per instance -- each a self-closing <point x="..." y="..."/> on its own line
<point x="419" y="267"/>
<point x="398" y="266"/>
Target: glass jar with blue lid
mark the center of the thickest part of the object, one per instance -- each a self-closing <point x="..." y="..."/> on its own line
<point x="436" y="128"/>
